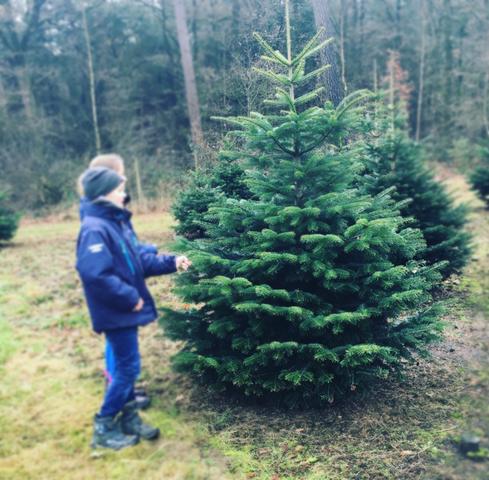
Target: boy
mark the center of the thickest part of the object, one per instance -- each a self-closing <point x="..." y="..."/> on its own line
<point x="113" y="272"/>
<point x="116" y="162"/>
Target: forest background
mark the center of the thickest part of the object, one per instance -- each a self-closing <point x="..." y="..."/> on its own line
<point x="77" y="78"/>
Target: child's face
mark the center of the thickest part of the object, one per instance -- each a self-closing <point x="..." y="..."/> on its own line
<point x="117" y="196"/>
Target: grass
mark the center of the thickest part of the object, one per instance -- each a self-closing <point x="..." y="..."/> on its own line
<point x="50" y="363"/>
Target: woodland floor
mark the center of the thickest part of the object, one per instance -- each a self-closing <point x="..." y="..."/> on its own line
<point x="51" y="385"/>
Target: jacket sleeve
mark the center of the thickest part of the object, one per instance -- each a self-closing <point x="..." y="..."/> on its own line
<point x="147" y="248"/>
<point x="154" y="265"/>
<point x="96" y="268"/>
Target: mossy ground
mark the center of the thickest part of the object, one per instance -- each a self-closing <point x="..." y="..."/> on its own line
<point x="50" y="365"/>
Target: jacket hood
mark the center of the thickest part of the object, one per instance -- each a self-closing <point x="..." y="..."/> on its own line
<point x="103" y="209"/>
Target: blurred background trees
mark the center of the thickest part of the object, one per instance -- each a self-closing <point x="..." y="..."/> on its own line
<point x="77" y="77"/>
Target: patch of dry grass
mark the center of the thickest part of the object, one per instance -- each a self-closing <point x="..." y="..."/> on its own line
<point x="52" y="385"/>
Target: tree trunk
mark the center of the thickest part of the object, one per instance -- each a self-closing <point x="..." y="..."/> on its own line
<point x="91" y="78"/>
<point x="189" y="78"/>
<point x="421" y="71"/>
<point x="361" y="43"/>
<point x="15" y="44"/>
<point x="376" y="77"/>
<point x="3" y="98"/>
<point x="343" y="14"/>
<point x="392" y="97"/>
<point x="195" y="40"/>
<point x="448" y="100"/>
<point x="139" y="186"/>
<point x="398" y="26"/>
<point x="484" y="103"/>
<point x="25" y="91"/>
<point x="331" y="77"/>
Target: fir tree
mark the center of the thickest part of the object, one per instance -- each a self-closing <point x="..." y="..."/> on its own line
<point x="309" y="289"/>
<point x="398" y="161"/>
<point x="479" y="178"/>
<point x="225" y="177"/>
<point x="9" y="220"/>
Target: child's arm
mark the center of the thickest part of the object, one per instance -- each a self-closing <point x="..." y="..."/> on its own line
<point x="161" y="264"/>
<point x="154" y="265"/>
<point x="147" y="248"/>
<point x="95" y="265"/>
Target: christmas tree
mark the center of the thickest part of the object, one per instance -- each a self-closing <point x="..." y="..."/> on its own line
<point x="310" y="288"/>
<point x="398" y="161"/>
<point x="479" y="178"/>
<point x="9" y="220"/>
<point x="206" y="186"/>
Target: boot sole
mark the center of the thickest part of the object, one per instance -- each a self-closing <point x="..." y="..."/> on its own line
<point x="95" y="445"/>
<point x="154" y="436"/>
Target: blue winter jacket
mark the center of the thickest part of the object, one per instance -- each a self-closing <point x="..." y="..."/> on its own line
<point x="113" y="268"/>
<point x="147" y="247"/>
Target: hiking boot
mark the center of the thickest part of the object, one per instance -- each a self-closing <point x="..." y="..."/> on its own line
<point x="139" y="390"/>
<point x="107" y="434"/>
<point x="132" y="424"/>
<point x="142" y="399"/>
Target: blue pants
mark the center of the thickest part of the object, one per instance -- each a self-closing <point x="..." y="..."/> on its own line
<point x="127" y="366"/>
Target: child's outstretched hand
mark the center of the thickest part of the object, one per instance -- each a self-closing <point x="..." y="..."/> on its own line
<point x="183" y="263"/>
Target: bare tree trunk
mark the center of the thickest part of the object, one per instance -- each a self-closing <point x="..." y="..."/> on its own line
<point x="25" y="92"/>
<point x="376" y="88"/>
<point x="15" y="42"/>
<point x="195" y="40"/>
<point x="398" y="26"/>
<point x="91" y="78"/>
<point x="421" y="71"/>
<point x="3" y="97"/>
<point x="484" y="103"/>
<point x="361" y="28"/>
<point x="343" y="13"/>
<point x="392" y="98"/>
<point x="189" y="77"/>
<point x="376" y="75"/>
<point x="139" y="187"/>
<point x="323" y="19"/>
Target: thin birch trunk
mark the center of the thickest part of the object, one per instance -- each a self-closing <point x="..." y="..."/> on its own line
<point x="392" y="89"/>
<point x="421" y="72"/>
<point x="91" y="78"/>
<point x="484" y="103"/>
<point x="139" y="187"/>
<point x="342" y="46"/>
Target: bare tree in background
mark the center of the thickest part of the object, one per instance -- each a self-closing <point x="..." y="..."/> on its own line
<point x="16" y="38"/>
<point x="421" y="70"/>
<point x="343" y="13"/>
<point x="332" y="78"/>
<point x="91" y="78"/>
<point x="189" y="77"/>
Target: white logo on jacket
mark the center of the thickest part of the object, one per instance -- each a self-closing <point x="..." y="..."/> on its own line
<point x="96" y="248"/>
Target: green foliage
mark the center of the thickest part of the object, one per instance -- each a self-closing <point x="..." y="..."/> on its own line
<point x="397" y="161"/>
<point x="192" y="203"/>
<point x="479" y="178"/>
<point x="480" y="182"/>
<point x="310" y="288"/>
<point x="225" y="177"/>
<point x="9" y="219"/>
